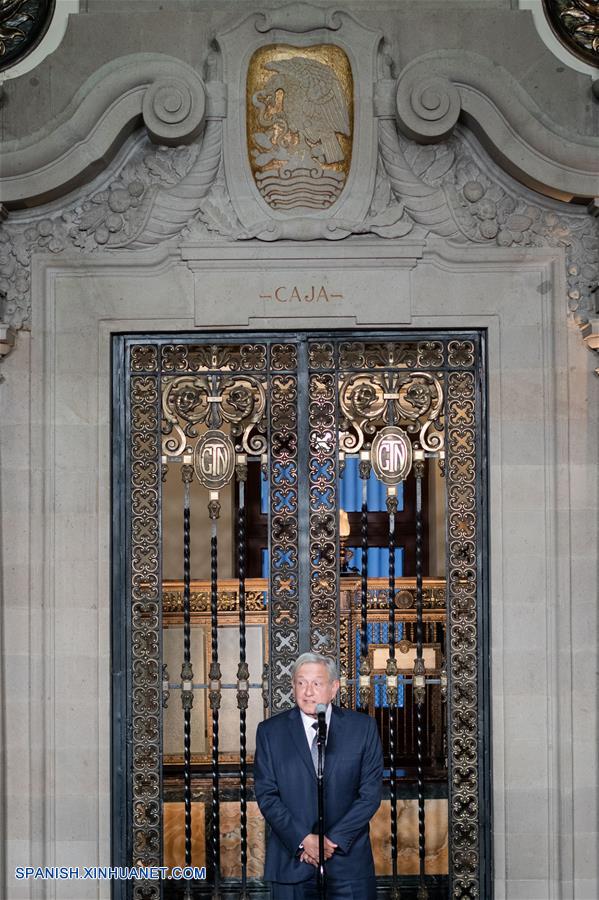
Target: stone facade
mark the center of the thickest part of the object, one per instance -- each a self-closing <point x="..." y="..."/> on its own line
<point x="470" y="202"/>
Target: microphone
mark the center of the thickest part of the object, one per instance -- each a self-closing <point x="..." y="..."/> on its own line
<point x="321" y="709"/>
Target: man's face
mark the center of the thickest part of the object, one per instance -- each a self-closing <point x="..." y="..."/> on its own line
<point x="311" y="686"/>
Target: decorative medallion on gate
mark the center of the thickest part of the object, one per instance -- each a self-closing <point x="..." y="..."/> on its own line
<point x="413" y="399"/>
<point x="299" y="124"/>
<point x="214" y="459"/>
<point x="391" y="455"/>
<point x="192" y="400"/>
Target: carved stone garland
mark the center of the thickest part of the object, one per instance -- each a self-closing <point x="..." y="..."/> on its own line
<point x="162" y="193"/>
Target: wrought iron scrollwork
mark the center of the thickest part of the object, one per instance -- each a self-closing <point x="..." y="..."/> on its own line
<point x="283" y="357"/>
<point x="391" y="354"/>
<point x="369" y="400"/>
<point x="321" y="355"/>
<point x="213" y="357"/>
<point x="284" y="563"/>
<point x="145" y="624"/>
<point x="323" y="515"/>
<point x="358" y="393"/>
<point x="213" y="400"/>
<point x="463" y="627"/>
<point x="144" y="358"/>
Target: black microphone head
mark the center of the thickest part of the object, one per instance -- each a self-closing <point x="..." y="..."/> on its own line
<point x="321" y="709"/>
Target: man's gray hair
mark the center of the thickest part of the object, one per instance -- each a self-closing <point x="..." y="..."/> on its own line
<point x="330" y="664"/>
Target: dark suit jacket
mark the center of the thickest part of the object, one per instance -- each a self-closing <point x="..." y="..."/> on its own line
<point x="285" y="783"/>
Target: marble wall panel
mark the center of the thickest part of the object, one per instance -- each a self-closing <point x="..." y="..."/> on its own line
<point x="56" y="558"/>
<point x="436" y="836"/>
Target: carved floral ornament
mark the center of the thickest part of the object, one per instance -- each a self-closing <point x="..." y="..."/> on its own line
<point x="282" y="158"/>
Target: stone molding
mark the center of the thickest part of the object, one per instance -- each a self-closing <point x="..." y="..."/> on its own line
<point x="433" y="92"/>
<point x="166" y="93"/>
<point x="437" y="89"/>
<point x="154" y="195"/>
<point x="297" y="18"/>
<point x="197" y="190"/>
<point x="303" y="281"/>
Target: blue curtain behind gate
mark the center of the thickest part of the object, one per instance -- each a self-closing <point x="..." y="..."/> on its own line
<point x="350" y="490"/>
<point x="350" y="499"/>
<point x="378" y="561"/>
<point x="378" y="633"/>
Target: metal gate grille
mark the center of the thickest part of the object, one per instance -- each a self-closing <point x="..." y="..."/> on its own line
<point x="239" y="449"/>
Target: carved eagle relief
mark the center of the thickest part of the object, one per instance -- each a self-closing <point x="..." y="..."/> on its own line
<point x="313" y="106"/>
<point x="300" y="126"/>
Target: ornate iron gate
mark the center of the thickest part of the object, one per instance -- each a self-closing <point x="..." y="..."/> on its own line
<point x="276" y="493"/>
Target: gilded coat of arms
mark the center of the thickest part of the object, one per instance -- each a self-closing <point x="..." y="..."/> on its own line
<point x="300" y="123"/>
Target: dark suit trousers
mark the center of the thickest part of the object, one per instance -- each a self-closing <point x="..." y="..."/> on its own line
<point x="359" y="889"/>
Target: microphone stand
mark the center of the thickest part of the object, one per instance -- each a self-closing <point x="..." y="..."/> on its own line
<point x="321" y="877"/>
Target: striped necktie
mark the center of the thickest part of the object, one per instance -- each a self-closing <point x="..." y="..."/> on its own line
<point x="314" y="747"/>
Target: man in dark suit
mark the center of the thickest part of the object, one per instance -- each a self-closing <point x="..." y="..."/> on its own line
<point x="285" y="781"/>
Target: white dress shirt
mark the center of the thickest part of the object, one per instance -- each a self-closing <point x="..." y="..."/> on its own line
<point x="308" y="722"/>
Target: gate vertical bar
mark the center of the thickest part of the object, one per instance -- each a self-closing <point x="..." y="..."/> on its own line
<point x="392" y="690"/>
<point x="419" y="677"/>
<point x="463" y="625"/>
<point x="187" y="669"/>
<point x="303" y="500"/>
<point x="323" y="507"/>
<point x="145" y="582"/>
<point x="364" y="469"/>
<point x="243" y="676"/>
<point x="284" y="527"/>
<point x="214" y="692"/>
